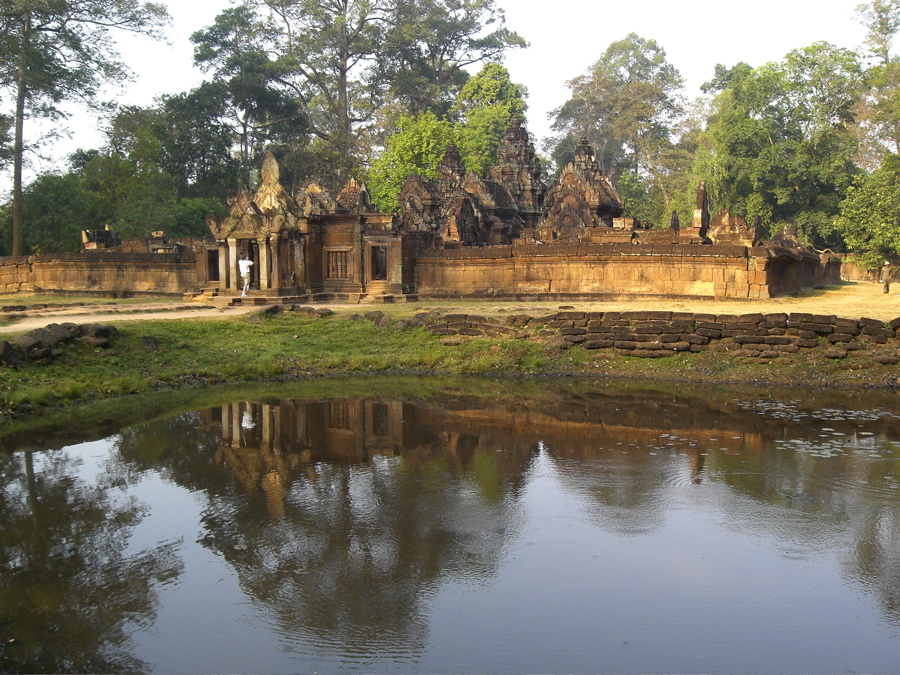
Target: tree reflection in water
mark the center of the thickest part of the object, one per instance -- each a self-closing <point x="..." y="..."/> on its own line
<point x="71" y="593"/>
<point x="342" y="518"/>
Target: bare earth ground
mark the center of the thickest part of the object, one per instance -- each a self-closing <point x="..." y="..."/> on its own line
<point x="850" y="300"/>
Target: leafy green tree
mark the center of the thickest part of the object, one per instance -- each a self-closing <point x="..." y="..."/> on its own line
<point x="882" y="19"/>
<point x="431" y="44"/>
<point x="869" y="219"/>
<point x="415" y="149"/>
<point x="627" y="105"/>
<point x="486" y="103"/>
<point x="779" y="143"/>
<point x="248" y="86"/>
<point x="53" y="52"/>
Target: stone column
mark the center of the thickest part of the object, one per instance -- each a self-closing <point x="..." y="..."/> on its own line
<point x="223" y="265"/>
<point x="226" y="424"/>
<point x="263" y="263"/>
<point x="233" y="273"/>
<point x="235" y="425"/>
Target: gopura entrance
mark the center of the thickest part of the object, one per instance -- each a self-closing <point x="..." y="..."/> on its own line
<point x="312" y="246"/>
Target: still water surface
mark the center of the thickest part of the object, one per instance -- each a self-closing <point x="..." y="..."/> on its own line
<point x="589" y="529"/>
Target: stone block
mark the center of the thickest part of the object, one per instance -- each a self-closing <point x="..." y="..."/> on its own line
<point x="573" y="331"/>
<point x="872" y="330"/>
<point x="886" y="359"/>
<point x="895" y="324"/>
<point x="834" y="353"/>
<point x="679" y="346"/>
<point x="570" y="315"/>
<point x="829" y="319"/>
<point x="9" y="355"/>
<point x="871" y="323"/>
<point x="840" y="337"/>
<point x="780" y="340"/>
<point x="750" y="318"/>
<point x="846" y="323"/>
<point x="696" y="349"/>
<point x="625" y="344"/>
<point x="779" y="319"/>
<point x="879" y="339"/>
<point x="776" y="331"/>
<point x="795" y="318"/>
<point x="807" y="344"/>
<point x="598" y="344"/>
<point x="697" y="339"/>
<point x="97" y="330"/>
<point x="856" y="346"/>
<point x="818" y="328"/>
<point x="788" y="349"/>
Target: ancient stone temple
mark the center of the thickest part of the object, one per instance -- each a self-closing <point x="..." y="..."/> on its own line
<point x="309" y="245"/>
<point x="460" y="208"/>
<point x="581" y="201"/>
<point x="505" y="234"/>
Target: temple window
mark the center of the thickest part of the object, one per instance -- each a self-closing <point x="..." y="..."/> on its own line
<point x="338" y="265"/>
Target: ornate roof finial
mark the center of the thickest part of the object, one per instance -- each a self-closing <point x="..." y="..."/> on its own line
<point x="270" y="172"/>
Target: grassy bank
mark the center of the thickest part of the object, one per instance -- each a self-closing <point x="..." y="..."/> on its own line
<point x="163" y="354"/>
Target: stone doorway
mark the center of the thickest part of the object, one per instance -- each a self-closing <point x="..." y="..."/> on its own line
<point x="379" y="265"/>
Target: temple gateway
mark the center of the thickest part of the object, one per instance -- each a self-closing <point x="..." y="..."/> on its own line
<point x="502" y="235"/>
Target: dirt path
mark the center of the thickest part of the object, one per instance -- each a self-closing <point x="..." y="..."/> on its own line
<point x="850" y="300"/>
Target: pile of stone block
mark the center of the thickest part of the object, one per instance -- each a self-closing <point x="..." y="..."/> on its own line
<point x="43" y="344"/>
<point x="653" y="334"/>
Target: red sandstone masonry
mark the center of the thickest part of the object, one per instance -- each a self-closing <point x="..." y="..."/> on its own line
<point x="656" y="334"/>
<point x="100" y="272"/>
<point x="585" y="269"/>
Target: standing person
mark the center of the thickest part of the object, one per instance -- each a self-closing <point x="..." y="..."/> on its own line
<point x="244" y="264"/>
<point x="886" y="273"/>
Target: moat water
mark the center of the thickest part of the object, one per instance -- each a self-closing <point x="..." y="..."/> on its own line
<point x="537" y="527"/>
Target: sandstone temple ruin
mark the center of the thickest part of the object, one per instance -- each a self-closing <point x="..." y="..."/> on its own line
<point x="503" y="235"/>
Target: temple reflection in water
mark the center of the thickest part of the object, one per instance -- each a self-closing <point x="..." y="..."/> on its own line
<point x="269" y="445"/>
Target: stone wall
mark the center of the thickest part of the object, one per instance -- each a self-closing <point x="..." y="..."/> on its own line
<point x="653" y="334"/>
<point x="580" y="269"/>
<point x="115" y="274"/>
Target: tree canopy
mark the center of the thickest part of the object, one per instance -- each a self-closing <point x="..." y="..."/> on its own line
<point x="53" y="52"/>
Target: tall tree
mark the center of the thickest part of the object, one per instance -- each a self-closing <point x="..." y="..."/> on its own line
<point x="430" y="45"/>
<point x="779" y="142"/>
<point x="329" y="48"/>
<point x="55" y="51"/>
<point x="626" y="105"/>
<point x="250" y="79"/>
<point x="869" y="217"/>
<point x="882" y="19"/>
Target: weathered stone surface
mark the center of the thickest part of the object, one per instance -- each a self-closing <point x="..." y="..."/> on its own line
<point x="9" y="355"/>
<point x="97" y="330"/>
<point x="96" y="341"/>
<point x="840" y="337"/>
<point x="834" y="353"/>
<point x="886" y="359"/>
<point x="598" y="344"/>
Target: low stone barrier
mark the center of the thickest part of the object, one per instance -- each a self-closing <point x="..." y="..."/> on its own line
<point x="655" y="334"/>
<point x="42" y="344"/>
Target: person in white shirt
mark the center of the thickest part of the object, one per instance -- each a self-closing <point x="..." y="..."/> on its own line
<point x="244" y="264"/>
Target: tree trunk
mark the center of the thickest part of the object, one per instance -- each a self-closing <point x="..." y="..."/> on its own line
<point x="18" y="149"/>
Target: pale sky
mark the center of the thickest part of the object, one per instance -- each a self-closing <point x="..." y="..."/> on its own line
<point x="566" y="37"/>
